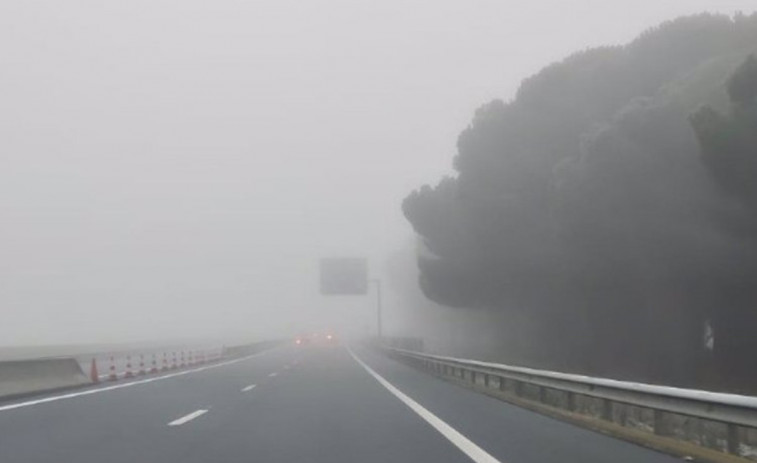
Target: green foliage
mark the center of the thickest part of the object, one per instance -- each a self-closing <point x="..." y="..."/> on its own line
<point x="729" y="143"/>
<point x="591" y="152"/>
<point x="742" y="86"/>
<point x="590" y="194"/>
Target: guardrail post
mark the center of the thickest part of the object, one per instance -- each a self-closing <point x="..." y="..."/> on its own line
<point x="605" y="409"/>
<point x="733" y="439"/>
<point x="657" y="422"/>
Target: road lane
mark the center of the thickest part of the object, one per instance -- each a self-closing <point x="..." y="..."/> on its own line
<point x="128" y="424"/>
<point x="324" y="408"/>
<point x="510" y="433"/>
<point x="468" y="447"/>
<point x="55" y="396"/>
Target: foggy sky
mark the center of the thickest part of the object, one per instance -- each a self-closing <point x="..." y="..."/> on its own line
<point x="177" y="168"/>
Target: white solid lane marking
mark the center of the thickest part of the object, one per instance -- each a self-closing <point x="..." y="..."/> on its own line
<point x="186" y="418"/>
<point x="473" y="451"/>
<point x="271" y="375"/>
<point x="248" y="388"/>
<point x="121" y="386"/>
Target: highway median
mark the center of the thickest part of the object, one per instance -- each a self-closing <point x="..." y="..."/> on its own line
<point x="25" y="377"/>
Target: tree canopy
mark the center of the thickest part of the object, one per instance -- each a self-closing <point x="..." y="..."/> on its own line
<point x="615" y="182"/>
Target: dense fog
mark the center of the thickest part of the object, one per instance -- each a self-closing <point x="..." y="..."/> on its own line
<point x="176" y="169"/>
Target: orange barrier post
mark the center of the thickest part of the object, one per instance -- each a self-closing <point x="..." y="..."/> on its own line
<point x="112" y="376"/>
<point x="128" y="373"/>
<point x="93" y="372"/>
<point x="142" y="365"/>
<point x="154" y="367"/>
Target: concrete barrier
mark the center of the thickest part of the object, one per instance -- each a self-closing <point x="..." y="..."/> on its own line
<point x="248" y="349"/>
<point x="21" y="377"/>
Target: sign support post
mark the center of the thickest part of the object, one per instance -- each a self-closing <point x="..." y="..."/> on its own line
<point x="377" y="282"/>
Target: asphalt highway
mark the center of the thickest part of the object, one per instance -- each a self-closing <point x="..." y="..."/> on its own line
<point x="294" y="404"/>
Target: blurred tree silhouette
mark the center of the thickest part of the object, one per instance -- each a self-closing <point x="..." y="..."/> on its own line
<point x="729" y="143"/>
<point x="585" y="201"/>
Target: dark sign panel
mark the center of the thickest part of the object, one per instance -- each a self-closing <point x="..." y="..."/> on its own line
<point x="344" y="276"/>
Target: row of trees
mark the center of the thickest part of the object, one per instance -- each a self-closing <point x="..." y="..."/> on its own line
<point x="613" y="200"/>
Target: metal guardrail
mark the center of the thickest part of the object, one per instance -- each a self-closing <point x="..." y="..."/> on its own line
<point x="719" y="421"/>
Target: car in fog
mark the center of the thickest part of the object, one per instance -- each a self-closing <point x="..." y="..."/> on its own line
<point x="316" y="338"/>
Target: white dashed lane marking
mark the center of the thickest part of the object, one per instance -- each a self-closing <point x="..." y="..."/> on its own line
<point x="187" y="418"/>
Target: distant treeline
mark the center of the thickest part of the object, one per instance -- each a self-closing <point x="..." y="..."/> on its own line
<point x="613" y="200"/>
